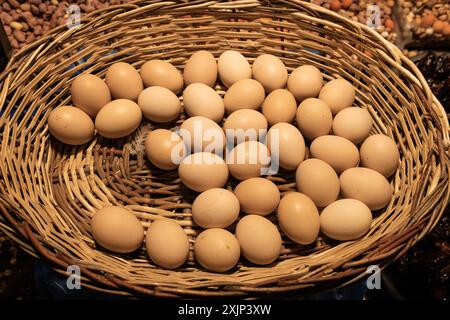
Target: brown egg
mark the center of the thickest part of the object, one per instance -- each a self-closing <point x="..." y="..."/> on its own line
<point x="380" y="153"/>
<point x="314" y="118"/>
<point x="164" y="148"/>
<point x="279" y="106"/>
<point x="202" y="171"/>
<point x="305" y="82"/>
<point x="248" y="159"/>
<point x="159" y="104"/>
<point x="201" y="100"/>
<point x="201" y="67"/>
<point x="259" y="239"/>
<point x="338" y="152"/>
<point x="286" y="143"/>
<point x="202" y="134"/>
<point x="244" y="94"/>
<point x="118" y="119"/>
<point x="245" y="124"/>
<point x="345" y="219"/>
<point x="353" y="124"/>
<point x="167" y="244"/>
<point x="163" y="74"/>
<point x="117" y="229"/>
<point x="299" y="218"/>
<point x="270" y="71"/>
<point x="233" y="67"/>
<point x="366" y="185"/>
<point x="124" y="81"/>
<point x="338" y="94"/>
<point x="257" y="196"/>
<point x="317" y="179"/>
<point x="215" y="208"/>
<point x="71" y="125"/>
<point x="89" y="93"/>
<point x="217" y="250"/>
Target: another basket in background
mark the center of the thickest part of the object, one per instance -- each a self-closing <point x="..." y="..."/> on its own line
<point x="49" y="191"/>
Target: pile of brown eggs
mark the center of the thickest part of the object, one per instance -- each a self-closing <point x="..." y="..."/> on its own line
<point x="259" y="126"/>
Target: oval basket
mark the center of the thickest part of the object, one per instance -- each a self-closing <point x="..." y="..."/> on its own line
<point x="50" y="191"/>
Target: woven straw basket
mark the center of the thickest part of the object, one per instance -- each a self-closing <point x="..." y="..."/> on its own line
<point x="49" y="191"/>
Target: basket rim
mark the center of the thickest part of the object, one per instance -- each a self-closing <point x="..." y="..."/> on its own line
<point x="390" y="249"/>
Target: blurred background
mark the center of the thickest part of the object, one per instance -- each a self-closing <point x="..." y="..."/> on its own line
<point x="421" y="29"/>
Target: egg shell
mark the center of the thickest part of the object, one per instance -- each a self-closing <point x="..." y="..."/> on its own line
<point x="317" y="179"/>
<point x="233" y="67"/>
<point x="163" y="74"/>
<point x="345" y="219"/>
<point x="71" y="125"/>
<point x="248" y="159"/>
<point x="338" y="152"/>
<point x="270" y="71"/>
<point x="124" y="81"/>
<point x="217" y="250"/>
<point x="366" y="185"/>
<point x="215" y="208"/>
<point x="164" y="148"/>
<point x="202" y="171"/>
<point x="279" y="106"/>
<point x="167" y="244"/>
<point x="353" y="124"/>
<point x="117" y="229"/>
<point x="89" y="93"/>
<point x="202" y="134"/>
<point x="338" y="94"/>
<point x="200" y="67"/>
<point x="298" y="217"/>
<point x="314" y="118"/>
<point x="118" y="119"/>
<point x="380" y="153"/>
<point x="201" y="100"/>
<point x="244" y="94"/>
<point x="245" y="124"/>
<point x="257" y="196"/>
<point x="286" y="142"/>
<point x="259" y="239"/>
<point x="159" y="104"/>
<point x="305" y="82"/>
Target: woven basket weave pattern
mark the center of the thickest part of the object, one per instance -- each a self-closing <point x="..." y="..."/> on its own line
<point x="49" y="191"/>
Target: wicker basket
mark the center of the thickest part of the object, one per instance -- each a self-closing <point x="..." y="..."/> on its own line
<point x="50" y="191"/>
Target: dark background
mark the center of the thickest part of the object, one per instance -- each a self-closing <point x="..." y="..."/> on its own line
<point x="424" y="273"/>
